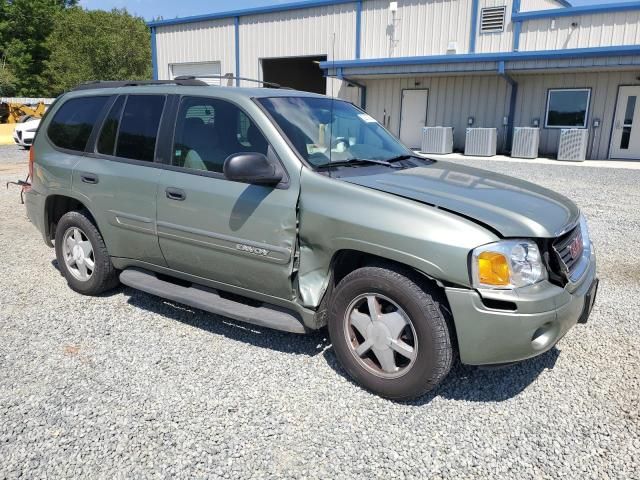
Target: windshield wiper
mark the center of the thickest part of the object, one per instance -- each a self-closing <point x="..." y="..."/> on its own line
<point x="355" y="161"/>
<point x="406" y="157"/>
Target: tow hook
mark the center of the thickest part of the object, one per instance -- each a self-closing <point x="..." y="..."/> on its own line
<point x="24" y="185"/>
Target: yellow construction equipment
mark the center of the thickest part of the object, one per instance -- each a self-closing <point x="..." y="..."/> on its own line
<point x="13" y="112"/>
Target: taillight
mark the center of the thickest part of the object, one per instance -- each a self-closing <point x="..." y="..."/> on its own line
<point x="32" y="157"/>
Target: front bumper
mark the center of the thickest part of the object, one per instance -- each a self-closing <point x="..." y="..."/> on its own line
<point x="543" y="314"/>
<point x="24" y="139"/>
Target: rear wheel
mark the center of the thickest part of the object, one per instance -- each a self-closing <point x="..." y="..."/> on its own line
<point x="82" y="255"/>
<point x="389" y="332"/>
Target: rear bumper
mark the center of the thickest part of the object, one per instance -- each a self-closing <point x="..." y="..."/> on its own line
<point x="544" y="314"/>
<point x="34" y="202"/>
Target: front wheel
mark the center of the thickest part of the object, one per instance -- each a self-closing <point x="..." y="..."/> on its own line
<point x="389" y="333"/>
<point x="82" y="255"/>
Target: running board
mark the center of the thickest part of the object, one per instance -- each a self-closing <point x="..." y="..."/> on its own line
<point x="208" y="299"/>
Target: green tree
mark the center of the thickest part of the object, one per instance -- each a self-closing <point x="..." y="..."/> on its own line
<point x="90" y="45"/>
<point x="7" y="80"/>
<point x="24" y="27"/>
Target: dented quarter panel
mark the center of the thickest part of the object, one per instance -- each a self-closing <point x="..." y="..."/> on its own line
<point x="336" y="215"/>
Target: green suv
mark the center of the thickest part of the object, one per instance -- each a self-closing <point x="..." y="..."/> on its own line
<point x="295" y="211"/>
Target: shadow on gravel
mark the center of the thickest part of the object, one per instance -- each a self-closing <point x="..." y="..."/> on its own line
<point x="468" y="383"/>
<point x="475" y="384"/>
<point x="106" y="294"/>
<point x="310" y="345"/>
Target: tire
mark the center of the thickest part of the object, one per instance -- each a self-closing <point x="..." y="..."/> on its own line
<point x="102" y="276"/>
<point x="398" y="297"/>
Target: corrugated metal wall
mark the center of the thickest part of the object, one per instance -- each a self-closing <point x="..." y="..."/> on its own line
<point x="196" y="42"/>
<point x="532" y="5"/>
<point x="419" y="27"/>
<point x="598" y="30"/>
<point x="296" y="33"/>
<point x="496" y="42"/>
<point x="451" y="101"/>
<point x="532" y="99"/>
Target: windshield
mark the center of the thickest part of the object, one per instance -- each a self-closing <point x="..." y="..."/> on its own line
<point x="323" y="133"/>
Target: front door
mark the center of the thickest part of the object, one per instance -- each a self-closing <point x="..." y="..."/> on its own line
<point x="413" y="116"/>
<point x="625" y="140"/>
<point x="229" y="232"/>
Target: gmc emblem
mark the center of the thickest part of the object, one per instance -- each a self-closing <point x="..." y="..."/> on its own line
<point x="575" y="247"/>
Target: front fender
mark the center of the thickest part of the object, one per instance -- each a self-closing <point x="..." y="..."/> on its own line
<point x="336" y="215"/>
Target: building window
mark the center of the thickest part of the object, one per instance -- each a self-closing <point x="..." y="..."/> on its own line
<point x="492" y="19"/>
<point x="567" y="108"/>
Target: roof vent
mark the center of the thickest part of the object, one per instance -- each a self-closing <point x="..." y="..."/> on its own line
<point x="492" y="19"/>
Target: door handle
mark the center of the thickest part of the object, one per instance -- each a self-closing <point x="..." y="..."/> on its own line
<point x="89" y="178"/>
<point x="175" y="194"/>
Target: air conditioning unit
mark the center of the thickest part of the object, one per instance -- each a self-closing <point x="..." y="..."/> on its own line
<point x="437" y="140"/>
<point x="526" y="141"/>
<point x="573" y="144"/>
<point x="481" y="142"/>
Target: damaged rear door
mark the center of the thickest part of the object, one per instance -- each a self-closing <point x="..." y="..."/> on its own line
<point x="229" y="232"/>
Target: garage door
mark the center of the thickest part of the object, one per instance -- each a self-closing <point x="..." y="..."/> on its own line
<point x="197" y="70"/>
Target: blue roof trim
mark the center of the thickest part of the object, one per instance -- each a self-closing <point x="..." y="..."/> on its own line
<point x="618" y="51"/>
<point x="565" y="12"/>
<point x="249" y="11"/>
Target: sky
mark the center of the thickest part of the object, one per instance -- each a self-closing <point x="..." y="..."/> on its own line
<point x="150" y="9"/>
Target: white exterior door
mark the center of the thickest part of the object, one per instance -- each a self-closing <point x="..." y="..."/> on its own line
<point x="196" y="69"/>
<point x="413" y="116"/>
<point x="625" y="140"/>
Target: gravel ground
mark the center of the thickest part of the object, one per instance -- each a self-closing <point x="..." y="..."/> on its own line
<point x="127" y="385"/>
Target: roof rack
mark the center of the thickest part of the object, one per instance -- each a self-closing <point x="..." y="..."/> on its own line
<point x="231" y="77"/>
<point x="187" y="82"/>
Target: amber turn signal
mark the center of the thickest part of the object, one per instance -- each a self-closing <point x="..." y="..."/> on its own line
<point x="493" y="269"/>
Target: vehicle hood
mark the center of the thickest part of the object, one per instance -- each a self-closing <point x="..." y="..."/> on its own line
<point x="28" y="125"/>
<point x="512" y="207"/>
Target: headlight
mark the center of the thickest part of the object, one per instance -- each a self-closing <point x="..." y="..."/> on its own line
<point x="507" y="264"/>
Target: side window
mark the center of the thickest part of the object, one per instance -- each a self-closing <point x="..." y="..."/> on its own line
<point x="72" y="124"/>
<point x="107" y="138"/>
<point x="208" y="130"/>
<point x="139" y="127"/>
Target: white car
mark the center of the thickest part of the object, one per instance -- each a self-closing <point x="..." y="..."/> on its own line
<point x="24" y="132"/>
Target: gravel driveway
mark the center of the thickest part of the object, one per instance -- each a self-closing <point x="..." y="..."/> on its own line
<point x="129" y="385"/>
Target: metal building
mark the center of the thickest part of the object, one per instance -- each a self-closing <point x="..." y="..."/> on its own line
<point x="456" y="63"/>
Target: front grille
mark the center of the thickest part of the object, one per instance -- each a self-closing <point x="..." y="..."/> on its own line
<point x="568" y="249"/>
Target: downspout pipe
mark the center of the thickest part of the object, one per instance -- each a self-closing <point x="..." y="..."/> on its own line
<point x="362" y="87"/>
<point x="154" y="54"/>
<point x="512" y="103"/>
<point x="236" y="31"/>
<point x="517" y="25"/>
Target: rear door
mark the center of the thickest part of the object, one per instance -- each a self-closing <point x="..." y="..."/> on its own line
<point x="118" y="177"/>
<point x="233" y="233"/>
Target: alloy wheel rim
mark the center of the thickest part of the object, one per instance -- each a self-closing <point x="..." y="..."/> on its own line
<point x="380" y="335"/>
<point x="78" y="254"/>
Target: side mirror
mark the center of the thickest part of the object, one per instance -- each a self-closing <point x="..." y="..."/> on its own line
<point x="251" y="167"/>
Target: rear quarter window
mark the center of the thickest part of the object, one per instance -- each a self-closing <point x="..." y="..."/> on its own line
<point x="72" y="124"/>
